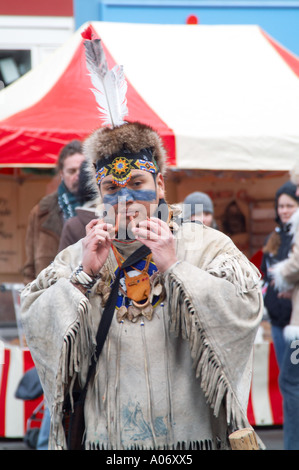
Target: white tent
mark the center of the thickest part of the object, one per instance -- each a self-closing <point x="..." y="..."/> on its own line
<point x="224" y="97"/>
<point x="230" y="98"/>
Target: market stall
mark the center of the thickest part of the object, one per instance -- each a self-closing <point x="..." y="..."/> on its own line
<point x="222" y="97"/>
<point x="225" y="100"/>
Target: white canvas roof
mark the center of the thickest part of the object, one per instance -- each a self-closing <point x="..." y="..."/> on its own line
<point x="229" y="95"/>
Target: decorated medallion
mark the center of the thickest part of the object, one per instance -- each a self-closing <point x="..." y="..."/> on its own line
<point x="120" y="166"/>
<point x="130" y="309"/>
<point x="121" y="170"/>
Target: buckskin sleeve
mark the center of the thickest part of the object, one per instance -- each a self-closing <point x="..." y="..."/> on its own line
<point x="58" y="328"/>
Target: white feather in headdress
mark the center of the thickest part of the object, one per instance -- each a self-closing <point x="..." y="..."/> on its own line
<point x="110" y="86"/>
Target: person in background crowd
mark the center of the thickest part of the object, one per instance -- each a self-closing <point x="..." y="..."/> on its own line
<point x="234" y="225"/>
<point x="286" y="280"/>
<point x="199" y="206"/>
<point x="234" y="221"/>
<point x="277" y="248"/>
<point x="74" y="228"/>
<point x="46" y="219"/>
<point x="44" y="229"/>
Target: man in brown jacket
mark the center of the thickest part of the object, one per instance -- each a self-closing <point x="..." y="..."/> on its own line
<point x="74" y="228"/>
<point x="47" y="217"/>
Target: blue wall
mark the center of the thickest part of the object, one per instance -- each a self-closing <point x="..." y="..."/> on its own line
<point x="280" y="19"/>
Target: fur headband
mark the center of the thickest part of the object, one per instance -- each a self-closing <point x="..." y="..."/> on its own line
<point x="132" y="136"/>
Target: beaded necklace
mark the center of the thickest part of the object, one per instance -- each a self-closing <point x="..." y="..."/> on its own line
<point x="139" y="292"/>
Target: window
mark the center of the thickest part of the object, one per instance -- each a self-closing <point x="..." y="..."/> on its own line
<point x="13" y="64"/>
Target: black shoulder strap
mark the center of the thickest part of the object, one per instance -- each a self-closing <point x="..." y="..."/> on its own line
<point x="109" y="309"/>
<point x="108" y="312"/>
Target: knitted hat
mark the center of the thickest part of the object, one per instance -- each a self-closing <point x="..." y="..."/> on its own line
<point x="197" y="202"/>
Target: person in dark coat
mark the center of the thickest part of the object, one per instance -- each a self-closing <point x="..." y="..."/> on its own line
<point x="46" y="218"/>
<point x="277" y="247"/>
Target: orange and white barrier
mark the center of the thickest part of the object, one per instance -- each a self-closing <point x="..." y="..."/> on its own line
<point x="264" y="407"/>
<point x="14" y="413"/>
<point x="265" y="401"/>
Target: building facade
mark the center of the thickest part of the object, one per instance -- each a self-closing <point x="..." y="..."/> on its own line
<point x="279" y="18"/>
<point x="29" y="31"/>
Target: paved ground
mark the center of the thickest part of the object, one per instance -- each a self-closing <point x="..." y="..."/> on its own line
<point x="11" y="444"/>
<point x="272" y="438"/>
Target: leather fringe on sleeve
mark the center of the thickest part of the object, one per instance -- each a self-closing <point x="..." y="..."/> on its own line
<point x="185" y="320"/>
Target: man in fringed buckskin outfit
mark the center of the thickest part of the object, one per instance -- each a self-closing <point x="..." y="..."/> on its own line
<point x="175" y="369"/>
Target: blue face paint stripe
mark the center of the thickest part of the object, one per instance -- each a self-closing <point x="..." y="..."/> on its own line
<point x="125" y="194"/>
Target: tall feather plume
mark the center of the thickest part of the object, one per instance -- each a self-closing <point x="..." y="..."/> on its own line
<point x="110" y="86"/>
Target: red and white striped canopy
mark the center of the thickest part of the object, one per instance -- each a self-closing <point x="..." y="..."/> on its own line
<point x="221" y="97"/>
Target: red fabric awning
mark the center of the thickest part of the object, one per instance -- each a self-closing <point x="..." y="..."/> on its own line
<point x="34" y="136"/>
<point x="221" y="97"/>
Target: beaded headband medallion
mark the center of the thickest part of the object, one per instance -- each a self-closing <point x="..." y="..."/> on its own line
<point x="121" y="165"/>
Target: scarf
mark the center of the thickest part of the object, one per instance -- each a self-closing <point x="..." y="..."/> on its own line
<point x="67" y="201"/>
